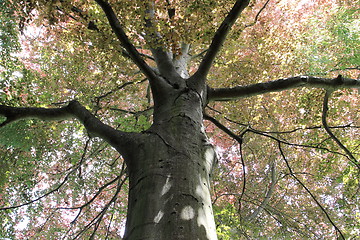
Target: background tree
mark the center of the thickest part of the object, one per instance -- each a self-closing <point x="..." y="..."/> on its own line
<point x="152" y="71"/>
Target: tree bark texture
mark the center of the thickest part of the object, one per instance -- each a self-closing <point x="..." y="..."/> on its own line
<point x="169" y="195"/>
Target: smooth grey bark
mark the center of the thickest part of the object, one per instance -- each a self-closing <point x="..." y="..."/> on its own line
<point x="169" y="174"/>
<point x="169" y="196"/>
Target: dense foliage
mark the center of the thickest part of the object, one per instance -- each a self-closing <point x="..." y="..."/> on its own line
<point x="280" y="175"/>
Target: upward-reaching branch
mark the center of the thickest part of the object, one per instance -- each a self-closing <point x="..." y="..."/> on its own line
<point x="219" y="38"/>
<point x="131" y="50"/>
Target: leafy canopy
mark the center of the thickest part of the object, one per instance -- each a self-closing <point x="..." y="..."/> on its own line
<point x="56" y="51"/>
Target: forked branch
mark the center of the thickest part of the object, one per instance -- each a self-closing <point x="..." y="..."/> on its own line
<point x="95" y="222"/>
<point x="268" y="194"/>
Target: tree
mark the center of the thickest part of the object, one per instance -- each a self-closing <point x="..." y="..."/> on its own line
<point x="168" y="157"/>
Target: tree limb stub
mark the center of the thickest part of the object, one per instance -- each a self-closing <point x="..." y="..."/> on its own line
<point x="226" y="94"/>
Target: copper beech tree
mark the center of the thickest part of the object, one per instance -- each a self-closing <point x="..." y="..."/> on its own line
<point x="178" y="48"/>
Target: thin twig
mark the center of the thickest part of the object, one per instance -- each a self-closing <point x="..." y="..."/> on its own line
<point x="100" y="190"/>
<point x="75" y="167"/>
<point x="99" y="216"/>
<point x="119" y="88"/>
<point x="244" y="176"/>
<point x="331" y="134"/>
<point x="309" y="192"/>
<point x="257" y="15"/>
<point x="262" y="133"/>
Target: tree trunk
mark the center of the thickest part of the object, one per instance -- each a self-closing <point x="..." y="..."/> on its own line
<point x="169" y="193"/>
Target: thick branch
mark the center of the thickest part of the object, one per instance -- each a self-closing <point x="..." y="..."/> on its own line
<point x="180" y="61"/>
<point x="219" y="38"/>
<point x="131" y="50"/>
<point x="74" y="110"/>
<point x="13" y="114"/>
<point x="91" y="25"/>
<point x="225" y="94"/>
